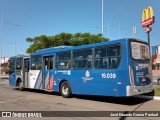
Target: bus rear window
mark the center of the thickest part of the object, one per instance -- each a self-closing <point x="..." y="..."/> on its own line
<point x="139" y="51"/>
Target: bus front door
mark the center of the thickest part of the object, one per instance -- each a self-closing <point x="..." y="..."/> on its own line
<point x="26" y="72"/>
<point x="48" y="72"/>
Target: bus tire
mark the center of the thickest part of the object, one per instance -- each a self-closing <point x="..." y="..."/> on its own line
<point x="20" y="86"/>
<point x="65" y="89"/>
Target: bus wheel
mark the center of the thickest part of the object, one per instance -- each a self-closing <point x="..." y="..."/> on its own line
<point x="65" y="89"/>
<point x="20" y="85"/>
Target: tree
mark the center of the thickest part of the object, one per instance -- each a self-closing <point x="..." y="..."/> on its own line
<point x="43" y="41"/>
<point x="153" y="67"/>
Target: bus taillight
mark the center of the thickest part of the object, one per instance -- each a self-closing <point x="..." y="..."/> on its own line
<point x="131" y="75"/>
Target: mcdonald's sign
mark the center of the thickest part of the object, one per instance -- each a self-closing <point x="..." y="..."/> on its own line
<point x="148" y="29"/>
<point x="147" y="17"/>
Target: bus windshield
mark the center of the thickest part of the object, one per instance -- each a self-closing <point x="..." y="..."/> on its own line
<point x="11" y="65"/>
<point x="140" y="51"/>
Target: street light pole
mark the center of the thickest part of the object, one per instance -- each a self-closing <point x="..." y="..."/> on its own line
<point x="134" y="31"/>
<point x="119" y="31"/>
<point x="1" y="47"/>
<point x="15" y="47"/>
<point x="1" y="39"/>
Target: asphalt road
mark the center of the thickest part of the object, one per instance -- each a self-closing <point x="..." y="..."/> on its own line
<point x="12" y="99"/>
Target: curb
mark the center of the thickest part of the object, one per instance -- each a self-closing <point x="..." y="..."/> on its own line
<point x="149" y="97"/>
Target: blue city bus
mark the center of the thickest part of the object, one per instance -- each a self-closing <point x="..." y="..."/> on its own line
<point x="113" y="68"/>
<point x="19" y="71"/>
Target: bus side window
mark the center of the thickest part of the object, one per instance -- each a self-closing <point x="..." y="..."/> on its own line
<point x="84" y="63"/>
<point x="114" y="55"/>
<point x="36" y="62"/>
<point x="89" y="64"/>
<point x="63" y="60"/>
<point x="79" y="64"/>
<point x="96" y="63"/>
<point x="89" y="61"/>
<point x="100" y="55"/>
<point x="99" y="63"/>
<point x="113" y="64"/>
<point x="82" y="59"/>
<point x="105" y="64"/>
<point x="68" y="65"/>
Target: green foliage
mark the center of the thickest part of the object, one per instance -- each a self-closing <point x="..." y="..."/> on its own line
<point x="43" y="41"/>
<point x="6" y="70"/>
<point x="153" y="67"/>
<point x="157" y="90"/>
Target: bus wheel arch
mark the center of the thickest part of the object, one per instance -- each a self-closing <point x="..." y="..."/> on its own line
<point x="65" y="89"/>
<point x="19" y="84"/>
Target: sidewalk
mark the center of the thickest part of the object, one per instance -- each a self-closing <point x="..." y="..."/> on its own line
<point x="149" y="97"/>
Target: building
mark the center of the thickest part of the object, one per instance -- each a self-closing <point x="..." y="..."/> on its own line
<point x="3" y="63"/>
<point x="156" y="56"/>
<point x="4" y="60"/>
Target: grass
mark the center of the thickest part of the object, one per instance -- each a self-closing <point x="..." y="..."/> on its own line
<point x="157" y="90"/>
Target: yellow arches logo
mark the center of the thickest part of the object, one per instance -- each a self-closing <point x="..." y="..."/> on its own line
<point x="147" y="17"/>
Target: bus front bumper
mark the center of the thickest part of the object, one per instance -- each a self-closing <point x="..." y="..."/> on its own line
<point x="136" y="90"/>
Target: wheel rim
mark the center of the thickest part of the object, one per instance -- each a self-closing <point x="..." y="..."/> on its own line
<point x="65" y="89"/>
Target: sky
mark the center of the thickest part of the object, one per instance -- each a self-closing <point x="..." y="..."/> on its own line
<point x="51" y="17"/>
